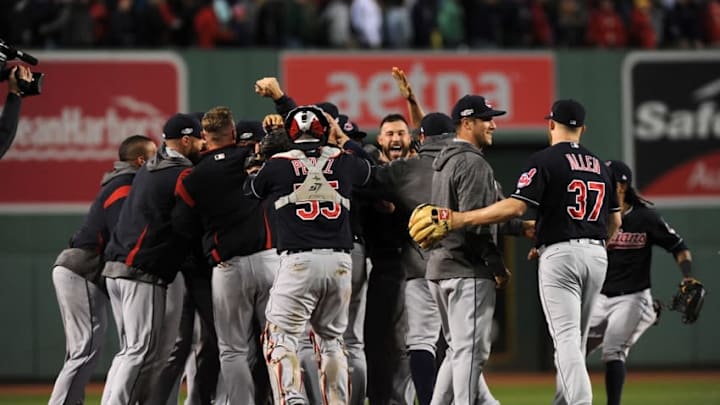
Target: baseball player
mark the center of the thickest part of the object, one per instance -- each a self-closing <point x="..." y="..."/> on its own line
<point x="309" y="187"/>
<point x="625" y="308"/>
<point x="577" y="212"/>
<point x="464" y="270"/>
<point x="354" y="333"/>
<point x="237" y="239"/>
<point x="143" y="257"/>
<point x="76" y="274"/>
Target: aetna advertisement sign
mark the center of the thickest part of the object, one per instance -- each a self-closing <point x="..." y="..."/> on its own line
<point x="69" y="135"/>
<point x="362" y="86"/>
<point x="672" y="126"/>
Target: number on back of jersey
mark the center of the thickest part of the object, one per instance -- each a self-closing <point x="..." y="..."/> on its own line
<point x="588" y="194"/>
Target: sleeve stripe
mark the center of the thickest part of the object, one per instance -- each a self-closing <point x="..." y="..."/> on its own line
<point x="181" y="191"/>
<point x="519" y="197"/>
<point x="119" y="193"/>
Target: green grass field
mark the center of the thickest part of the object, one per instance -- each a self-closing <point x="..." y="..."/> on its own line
<point x="666" y="389"/>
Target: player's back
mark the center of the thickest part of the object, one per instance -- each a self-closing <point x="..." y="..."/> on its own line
<point x="311" y="224"/>
<point x="577" y="192"/>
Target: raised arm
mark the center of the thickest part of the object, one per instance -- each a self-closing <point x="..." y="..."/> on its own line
<point x="415" y="109"/>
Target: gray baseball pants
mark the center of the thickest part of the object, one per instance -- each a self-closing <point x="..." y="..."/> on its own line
<point x="145" y="334"/>
<point x="618" y="322"/>
<point x="240" y="291"/>
<point x="83" y="308"/>
<point x="466" y="308"/>
<point x="353" y="338"/>
<point x="570" y="277"/>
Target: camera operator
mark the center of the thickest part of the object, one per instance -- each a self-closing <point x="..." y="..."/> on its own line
<point x="11" y="112"/>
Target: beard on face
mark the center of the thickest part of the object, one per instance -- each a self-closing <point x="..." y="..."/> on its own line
<point x="395" y="150"/>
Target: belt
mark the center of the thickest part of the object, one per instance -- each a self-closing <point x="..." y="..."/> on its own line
<point x="581" y="241"/>
<point x="293" y="251"/>
<point x="620" y="293"/>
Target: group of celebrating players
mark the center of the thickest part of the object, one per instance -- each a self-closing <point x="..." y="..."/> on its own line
<point x="275" y="256"/>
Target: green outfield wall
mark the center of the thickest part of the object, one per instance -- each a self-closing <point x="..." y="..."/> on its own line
<point x="32" y="343"/>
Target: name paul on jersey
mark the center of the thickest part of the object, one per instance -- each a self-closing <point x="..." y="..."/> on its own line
<point x="583" y="163"/>
<point x="300" y="168"/>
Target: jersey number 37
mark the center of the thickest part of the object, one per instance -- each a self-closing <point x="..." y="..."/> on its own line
<point x="582" y="190"/>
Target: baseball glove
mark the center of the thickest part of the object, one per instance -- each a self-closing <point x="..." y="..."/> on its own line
<point x="429" y="223"/>
<point x="689" y="299"/>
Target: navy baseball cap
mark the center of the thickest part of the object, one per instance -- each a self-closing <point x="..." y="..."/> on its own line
<point x="567" y="112"/>
<point x="350" y="128"/>
<point x="620" y="171"/>
<point x="180" y="125"/>
<point x="436" y="123"/>
<point x="249" y="131"/>
<point x="329" y="108"/>
<point x="472" y="106"/>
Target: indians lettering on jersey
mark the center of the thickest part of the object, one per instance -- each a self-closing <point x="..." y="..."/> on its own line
<point x="628" y="240"/>
<point x="583" y="163"/>
<point x="300" y="168"/>
<point x="526" y="178"/>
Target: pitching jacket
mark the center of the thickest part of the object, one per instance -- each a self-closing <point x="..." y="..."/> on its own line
<point x="233" y="223"/>
<point x="463" y="181"/>
<point x="84" y="254"/>
<point x="144" y="246"/>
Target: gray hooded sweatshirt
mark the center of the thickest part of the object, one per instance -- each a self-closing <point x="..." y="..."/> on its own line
<point x="463" y="181"/>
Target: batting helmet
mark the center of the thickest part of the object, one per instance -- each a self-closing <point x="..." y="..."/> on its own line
<point x="307" y="127"/>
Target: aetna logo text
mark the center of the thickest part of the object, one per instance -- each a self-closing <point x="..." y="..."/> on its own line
<point x="352" y="93"/>
<point x="655" y="120"/>
<point x="75" y="135"/>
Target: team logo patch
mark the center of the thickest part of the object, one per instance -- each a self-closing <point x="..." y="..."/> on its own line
<point x="186" y="131"/>
<point x="443" y="215"/>
<point x="526" y="178"/>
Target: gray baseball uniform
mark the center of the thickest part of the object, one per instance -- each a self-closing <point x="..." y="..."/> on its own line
<point x="574" y="195"/>
<point x="353" y="339"/>
<point x="83" y="303"/>
<point x="241" y="287"/>
<point x="460" y="272"/>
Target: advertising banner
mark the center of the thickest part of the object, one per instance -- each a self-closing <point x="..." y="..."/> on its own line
<point x="672" y="126"/>
<point x="69" y="135"/>
<point x="361" y="84"/>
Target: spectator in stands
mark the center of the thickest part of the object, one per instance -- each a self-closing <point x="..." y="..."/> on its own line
<point x="398" y="28"/>
<point x="542" y="30"/>
<point x="712" y="23"/>
<point x="605" y="27"/>
<point x="211" y="25"/>
<point x="569" y="24"/>
<point x="684" y="25"/>
<point x="366" y="20"/>
<point x="483" y="23"/>
<point x="336" y="19"/>
<point x="451" y="24"/>
<point x="425" y="20"/>
<point x="642" y="31"/>
<point x="122" y="27"/>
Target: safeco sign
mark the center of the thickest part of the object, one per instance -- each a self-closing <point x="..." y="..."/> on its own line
<point x="69" y="135"/>
<point x="672" y="126"/>
<point x="361" y="85"/>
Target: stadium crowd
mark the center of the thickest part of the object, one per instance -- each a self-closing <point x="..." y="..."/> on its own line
<point x="423" y="24"/>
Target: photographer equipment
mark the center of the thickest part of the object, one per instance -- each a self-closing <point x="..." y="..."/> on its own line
<point x="27" y="88"/>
